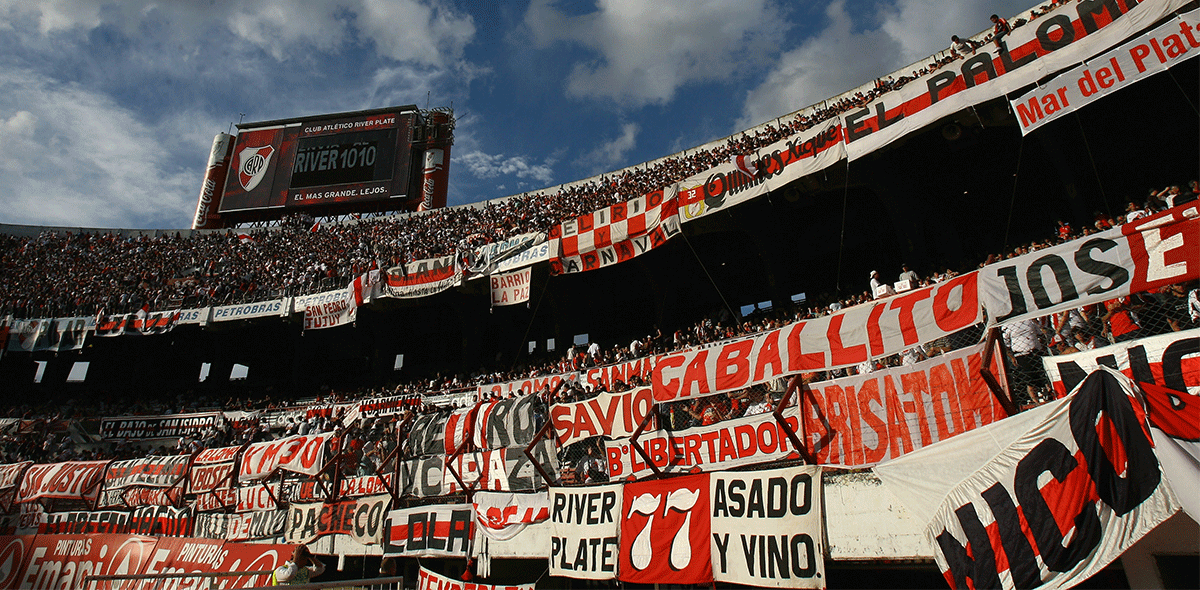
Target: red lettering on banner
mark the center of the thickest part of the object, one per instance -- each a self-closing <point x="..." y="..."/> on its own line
<point x="839" y="354"/>
<point x="696" y="373"/>
<point x="905" y="303"/>
<point x="897" y="421"/>
<point x="867" y="393"/>
<point x="797" y="359"/>
<point x="768" y="356"/>
<point x="733" y="365"/>
<point x="952" y="320"/>
<point x="874" y="334"/>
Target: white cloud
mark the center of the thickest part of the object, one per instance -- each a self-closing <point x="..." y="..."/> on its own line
<point x="429" y="32"/>
<point x="72" y="157"/>
<point x="646" y="52"/>
<point x="843" y="56"/>
<point x="612" y="153"/>
<point x="492" y="165"/>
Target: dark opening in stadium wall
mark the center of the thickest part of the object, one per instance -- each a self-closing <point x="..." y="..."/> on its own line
<point x="960" y="193"/>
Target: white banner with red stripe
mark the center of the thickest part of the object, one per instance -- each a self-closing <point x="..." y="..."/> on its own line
<point x="847" y="338"/>
<point x="503" y="515"/>
<point x="767" y="169"/>
<point x="723" y="445"/>
<point x="421" y="278"/>
<point x="1142" y="255"/>
<point x="1105" y="74"/>
<point x="1063" y="38"/>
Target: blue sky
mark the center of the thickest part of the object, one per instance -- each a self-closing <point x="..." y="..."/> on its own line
<point x="108" y="109"/>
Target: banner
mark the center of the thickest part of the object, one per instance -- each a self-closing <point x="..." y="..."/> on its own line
<point x="665" y="531"/>
<point x="422" y="278"/>
<point x="616" y="233"/>
<point x="862" y="420"/>
<point x="1066" y="36"/>
<point x="508" y="254"/>
<point x="298" y="454"/>
<point x="79" y="522"/>
<point x="848" y="338"/>
<point x="63" y="561"/>
<point x="365" y="485"/>
<point x="387" y="406"/>
<point x="503" y="515"/>
<point x="211" y="478"/>
<point x="428" y="580"/>
<point x="609" y="375"/>
<point x="328" y="310"/>
<point x="525" y="386"/>
<point x="730" y="443"/>
<point x="1105" y="74"/>
<point x="361" y="519"/>
<point x="511" y="288"/>
<point x="585" y="524"/>
<point x="1171" y="360"/>
<point x="508" y="423"/>
<point x="251" y="526"/>
<point x="766" y="527"/>
<point x="193" y="555"/>
<point x="137" y="324"/>
<point x="507" y="470"/>
<point x="770" y="168"/>
<point x="166" y="521"/>
<point x="56" y="335"/>
<point x="614" y="415"/>
<point x="258" y="497"/>
<point x="71" y="480"/>
<point x="430" y="531"/>
<point x="1087" y="473"/>
<point x="166" y="426"/>
<point x="125" y="482"/>
<point x="246" y="311"/>
<point x="1142" y="255"/>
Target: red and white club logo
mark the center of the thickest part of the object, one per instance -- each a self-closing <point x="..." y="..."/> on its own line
<point x="252" y="165"/>
<point x="11" y="557"/>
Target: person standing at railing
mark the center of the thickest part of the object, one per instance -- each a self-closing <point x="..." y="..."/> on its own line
<point x="300" y="569"/>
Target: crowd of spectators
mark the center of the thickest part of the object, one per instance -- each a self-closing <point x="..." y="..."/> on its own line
<point x="64" y="274"/>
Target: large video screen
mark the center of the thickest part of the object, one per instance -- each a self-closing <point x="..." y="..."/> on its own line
<point x="320" y="161"/>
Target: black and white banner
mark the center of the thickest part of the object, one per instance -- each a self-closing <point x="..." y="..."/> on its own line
<point x="1062" y="501"/>
<point x="166" y="426"/>
<point x="361" y="518"/>
<point x="585" y="524"/>
<point x="430" y="531"/>
<point x="1171" y="360"/>
<point x="766" y="527"/>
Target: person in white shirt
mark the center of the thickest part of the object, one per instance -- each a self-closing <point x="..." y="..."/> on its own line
<point x="300" y="569"/>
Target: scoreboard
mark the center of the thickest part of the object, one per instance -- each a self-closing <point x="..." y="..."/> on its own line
<point x="364" y="156"/>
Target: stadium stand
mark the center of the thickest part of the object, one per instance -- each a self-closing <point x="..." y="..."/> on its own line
<point x="348" y="468"/>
